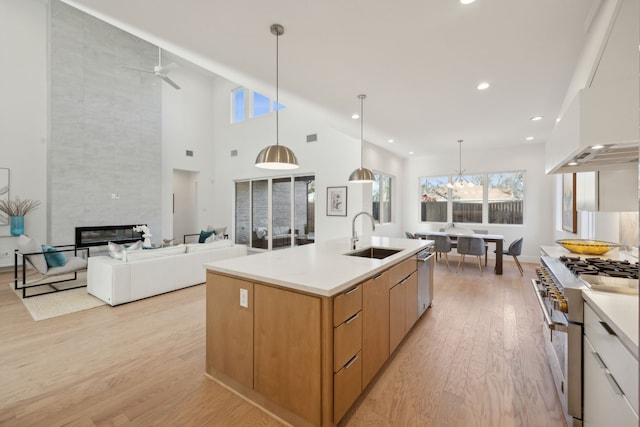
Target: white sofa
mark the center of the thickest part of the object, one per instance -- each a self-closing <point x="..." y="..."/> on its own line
<point x="145" y="273"/>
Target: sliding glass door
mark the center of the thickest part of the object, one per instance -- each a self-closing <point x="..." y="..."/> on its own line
<point x="275" y="213"/>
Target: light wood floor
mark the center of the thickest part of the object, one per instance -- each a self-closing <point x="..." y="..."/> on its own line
<point x="474" y="359"/>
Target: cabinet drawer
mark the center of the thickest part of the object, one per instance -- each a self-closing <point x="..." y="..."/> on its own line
<point x="347" y="341"/>
<point x="618" y="360"/>
<point x="347" y="304"/>
<point x="347" y="385"/>
<point x="402" y="270"/>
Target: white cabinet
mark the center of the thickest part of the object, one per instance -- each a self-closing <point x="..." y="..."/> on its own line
<point x="610" y="378"/>
<point x="608" y="190"/>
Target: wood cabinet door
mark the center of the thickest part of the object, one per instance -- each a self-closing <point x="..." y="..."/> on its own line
<point x="375" y="326"/>
<point x="229" y="328"/>
<point x="411" y="301"/>
<point x="287" y="354"/>
<point x="346" y="387"/>
<point x="396" y="316"/>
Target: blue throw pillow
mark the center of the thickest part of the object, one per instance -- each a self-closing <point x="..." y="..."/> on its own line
<point x="204" y="235"/>
<point x="53" y="257"/>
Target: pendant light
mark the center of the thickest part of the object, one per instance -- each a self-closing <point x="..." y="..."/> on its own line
<point x="277" y="156"/>
<point x="362" y="174"/>
<point x="460" y="181"/>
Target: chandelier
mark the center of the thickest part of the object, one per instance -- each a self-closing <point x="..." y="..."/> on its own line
<point x="459" y="181"/>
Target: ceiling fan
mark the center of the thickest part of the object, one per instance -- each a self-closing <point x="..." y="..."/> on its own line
<point x="160" y="71"/>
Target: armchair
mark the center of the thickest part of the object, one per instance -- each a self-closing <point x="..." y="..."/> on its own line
<point x="57" y="264"/>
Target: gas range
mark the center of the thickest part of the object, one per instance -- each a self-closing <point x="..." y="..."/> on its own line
<point x="601" y="267"/>
<point x="604" y="274"/>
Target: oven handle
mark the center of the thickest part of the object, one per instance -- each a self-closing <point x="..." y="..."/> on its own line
<point x="554" y="326"/>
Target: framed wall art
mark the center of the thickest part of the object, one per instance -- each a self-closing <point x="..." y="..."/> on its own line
<point x="569" y="213"/>
<point x="336" y="201"/>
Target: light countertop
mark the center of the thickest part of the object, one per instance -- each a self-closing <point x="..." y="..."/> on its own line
<point x="319" y="268"/>
<point x="619" y="310"/>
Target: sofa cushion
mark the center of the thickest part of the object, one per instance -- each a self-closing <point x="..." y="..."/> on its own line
<point x="53" y="257"/>
<point x="27" y="245"/>
<point x="199" y="247"/>
<point x="156" y="253"/>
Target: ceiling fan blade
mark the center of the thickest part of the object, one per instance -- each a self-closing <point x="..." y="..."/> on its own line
<point x="165" y="68"/>
<point x="168" y="80"/>
<point x="137" y="69"/>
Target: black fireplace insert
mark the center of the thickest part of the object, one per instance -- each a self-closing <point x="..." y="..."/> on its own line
<point x="100" y="235"/>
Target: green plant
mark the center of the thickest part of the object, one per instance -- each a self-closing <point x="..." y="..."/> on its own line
<point x="18" y="207"/>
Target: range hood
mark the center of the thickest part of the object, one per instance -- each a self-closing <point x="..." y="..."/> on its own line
<point x="599" y="123"/>
<point x="599" y="130"/>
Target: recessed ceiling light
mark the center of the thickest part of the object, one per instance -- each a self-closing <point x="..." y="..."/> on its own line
<point x="467" y="1"/>
<point x="483" y="86"/>
<point x="411" y="153"/>
<point x="572" y="164"/>
<point x="391" y="141"/>
<point x="355" y="116"/>
<point x="597" y="147"/>
<point x="529" y="138"/>
<point x="536" y="118"/>
<point x="558" y="119"/>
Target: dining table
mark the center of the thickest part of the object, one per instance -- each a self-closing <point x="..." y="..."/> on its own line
<point x="497" y="239"/>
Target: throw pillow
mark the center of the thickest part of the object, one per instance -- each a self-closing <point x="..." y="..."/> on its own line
<point x="204" y="235"/>
<point x="53" y="257"/>
<point x="27" y="245"/>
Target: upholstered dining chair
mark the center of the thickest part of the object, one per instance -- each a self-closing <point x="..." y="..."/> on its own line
<point x="471" y="246"/>
<point x="442" y="246"/>
<point x="486" y="245"/>
<point x="515" y="250"/>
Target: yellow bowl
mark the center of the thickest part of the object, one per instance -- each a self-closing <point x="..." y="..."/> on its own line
<point x="587" y="247"/>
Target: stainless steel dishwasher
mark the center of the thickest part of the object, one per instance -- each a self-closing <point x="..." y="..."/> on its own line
<point x="426" y="262"/>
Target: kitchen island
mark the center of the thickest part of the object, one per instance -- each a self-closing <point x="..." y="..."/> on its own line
<point x="302" y="331"/>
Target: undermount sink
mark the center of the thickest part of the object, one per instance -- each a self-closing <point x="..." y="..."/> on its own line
<point x="374" y="252"/>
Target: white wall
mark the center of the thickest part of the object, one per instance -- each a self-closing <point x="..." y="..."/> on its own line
<point x="331" y="158"/>
<point x="539" y="191"/>
<point x="23" y="111"/>
<point x="187" y="124"/>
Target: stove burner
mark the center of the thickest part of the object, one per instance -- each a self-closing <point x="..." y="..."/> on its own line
<point x="601" y="267"/>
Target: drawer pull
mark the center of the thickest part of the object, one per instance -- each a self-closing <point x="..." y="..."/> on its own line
<point x="607" y="328"/>
<point x="599" y="360"/>
<point x="351" y="362"/>
<point x="350" y="291"/>
<point x="614" y="384"/>
<point x="377" y="277"/>
<point x="352" y="318"/>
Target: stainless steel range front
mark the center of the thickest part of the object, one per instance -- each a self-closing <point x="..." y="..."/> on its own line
<point x="559" y="294"/>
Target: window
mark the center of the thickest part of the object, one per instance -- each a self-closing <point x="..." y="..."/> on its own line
<point x="493" y="198"/>
<point x="434" y="199"/>
<point x="506" y="197"/>
<point x="467" y="200"/>
<point x="237" y="105"/>
<point x="381" y="197"/>
<point x="243" y="101"/>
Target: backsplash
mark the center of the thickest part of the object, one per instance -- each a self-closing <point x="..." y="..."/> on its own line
<point x="629" y="232"/>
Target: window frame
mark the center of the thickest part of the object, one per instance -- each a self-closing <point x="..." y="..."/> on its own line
<point x="391" y="185"/>
<point x="485" y="196"/>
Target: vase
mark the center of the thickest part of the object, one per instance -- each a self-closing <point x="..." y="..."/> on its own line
<point x="147" y="241"/>
<point x="16" y="225"/>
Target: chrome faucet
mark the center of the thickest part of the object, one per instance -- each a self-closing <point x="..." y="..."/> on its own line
<point x="354" y="235"/>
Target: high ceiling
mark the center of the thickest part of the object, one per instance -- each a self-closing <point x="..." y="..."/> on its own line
<point x="418" y="61"/>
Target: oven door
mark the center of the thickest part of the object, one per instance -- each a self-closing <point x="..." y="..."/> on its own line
<point x="563" y="346"/>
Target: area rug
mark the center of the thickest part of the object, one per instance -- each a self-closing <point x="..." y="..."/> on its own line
<point x="60" y="303"/>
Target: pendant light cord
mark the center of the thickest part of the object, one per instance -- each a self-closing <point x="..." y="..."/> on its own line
<point x="277" y="86"/>
<point x="362" y="97"/>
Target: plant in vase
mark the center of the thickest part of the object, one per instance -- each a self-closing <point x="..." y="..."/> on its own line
<point x="16" y="210"/>
<point x="146" y="234"/>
